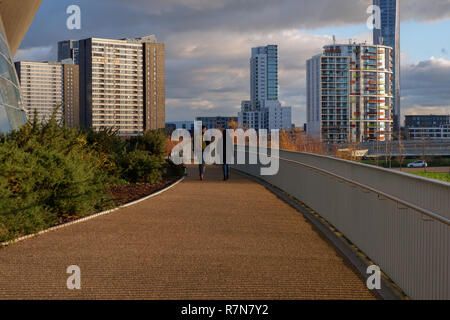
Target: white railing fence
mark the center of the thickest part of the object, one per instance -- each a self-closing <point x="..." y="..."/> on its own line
<point x="400" y="221"/>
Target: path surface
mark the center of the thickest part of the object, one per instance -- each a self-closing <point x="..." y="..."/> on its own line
<point x="210" y="240"/>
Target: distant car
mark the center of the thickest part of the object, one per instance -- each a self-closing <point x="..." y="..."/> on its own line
<point x="418" y="164"/>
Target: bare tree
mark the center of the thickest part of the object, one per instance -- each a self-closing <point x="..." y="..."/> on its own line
<point x="402" y="152"/>
<point x="425" y="144"/>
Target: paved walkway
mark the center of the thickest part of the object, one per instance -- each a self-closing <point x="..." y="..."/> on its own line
<point x="210" y="240"/>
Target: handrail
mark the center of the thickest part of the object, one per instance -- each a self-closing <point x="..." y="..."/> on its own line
<point x="407" y="204"/>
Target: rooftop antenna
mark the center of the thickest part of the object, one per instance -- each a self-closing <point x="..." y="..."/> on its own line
<point x="334" y="40"/>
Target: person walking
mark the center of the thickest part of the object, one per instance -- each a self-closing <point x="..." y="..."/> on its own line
<point x="202" y="165"/>
<point x="225" y="166"/>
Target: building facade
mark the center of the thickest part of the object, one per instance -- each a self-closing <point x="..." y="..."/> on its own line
<point x="71" y="92"/>
<point x="175" y="125"/>
<point x="313" y="96"/>
<point x="123" y="85"/>
<point x="15" y="19"/>
<point x="431" y="133"/>
<point x="275" y="116"/>
<point x="264" y="74"/>
<point x="428" y="127"/>
<point x="250" y="117"/>
<point x="218" y="122"/>
<point x="389" y="35"/>
<point x="263" y="110"/>
<point x="47" y="86"/>
<point x="154" y="83"/>
<point x="69" y="50"/>
<point x="350" y="93"/>
<point x="270" y="115"/>
<point x="42" y="89"/>
<point x="426" y="121"/>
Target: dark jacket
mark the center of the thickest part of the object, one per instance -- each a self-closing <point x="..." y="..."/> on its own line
<point x="224" y="141"/>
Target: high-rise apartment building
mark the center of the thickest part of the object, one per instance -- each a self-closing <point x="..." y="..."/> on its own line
<point x="264" y="74"/>
<point x="313" y="95"/>
<point x="69" y="50"/>
<point x="71" y="87"/>
<point x="264" y="110"/>
<point x="123" y="84"/>
<point x="389" y="35"/>
<point x="350" y="93"/>
<point x="42" y="88"/>
<point x="47" y="85"/>
<point x="154" y="85"/>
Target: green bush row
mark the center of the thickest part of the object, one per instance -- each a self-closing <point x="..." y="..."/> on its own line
<point x="136" y="160"/>
<point x="49" y="173"/>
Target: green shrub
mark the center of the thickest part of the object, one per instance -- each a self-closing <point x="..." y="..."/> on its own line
<point x="20" y="210"/>
<point x="141" y="167"/>
<point x="153" y="142"/>
<point x="143" y="158"/>
<point x="49" y="173"/>
<point x="137" y="160"/>
<point x="173" y="170"/>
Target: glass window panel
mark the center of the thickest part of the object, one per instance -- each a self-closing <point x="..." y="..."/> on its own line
<point x="17" y="118"/>
<point x="7" y="71"/>
<point x="4" y="121"/>
<point x="9" y="93"/>
<point x="3" y="47"/>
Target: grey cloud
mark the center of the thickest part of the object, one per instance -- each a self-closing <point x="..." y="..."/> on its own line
<point x="425" y="85"/>
<point x="425" y="10"/>
<point x="120" y="18"/>
<point x="214" y="70"/>
<point x="36" y="53"/>
<point x="208" y="43"/>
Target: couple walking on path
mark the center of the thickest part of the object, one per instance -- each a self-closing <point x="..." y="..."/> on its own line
<point x="225" y="166"/>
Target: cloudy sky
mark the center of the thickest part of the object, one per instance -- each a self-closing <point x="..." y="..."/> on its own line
<point x="208" y="45"/>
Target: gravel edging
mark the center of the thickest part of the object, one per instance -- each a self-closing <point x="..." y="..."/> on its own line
<point x="96" y="215"/>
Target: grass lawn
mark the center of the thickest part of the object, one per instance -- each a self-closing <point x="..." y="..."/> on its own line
<point x="434" y="175"/>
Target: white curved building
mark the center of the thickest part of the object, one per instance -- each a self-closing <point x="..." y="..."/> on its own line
<point x="15" y="19"/>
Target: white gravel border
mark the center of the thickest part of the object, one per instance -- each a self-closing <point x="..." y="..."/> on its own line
<point x="5" y="244"/>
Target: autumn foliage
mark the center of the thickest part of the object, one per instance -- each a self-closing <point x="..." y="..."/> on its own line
<point x="297" y="140"/>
